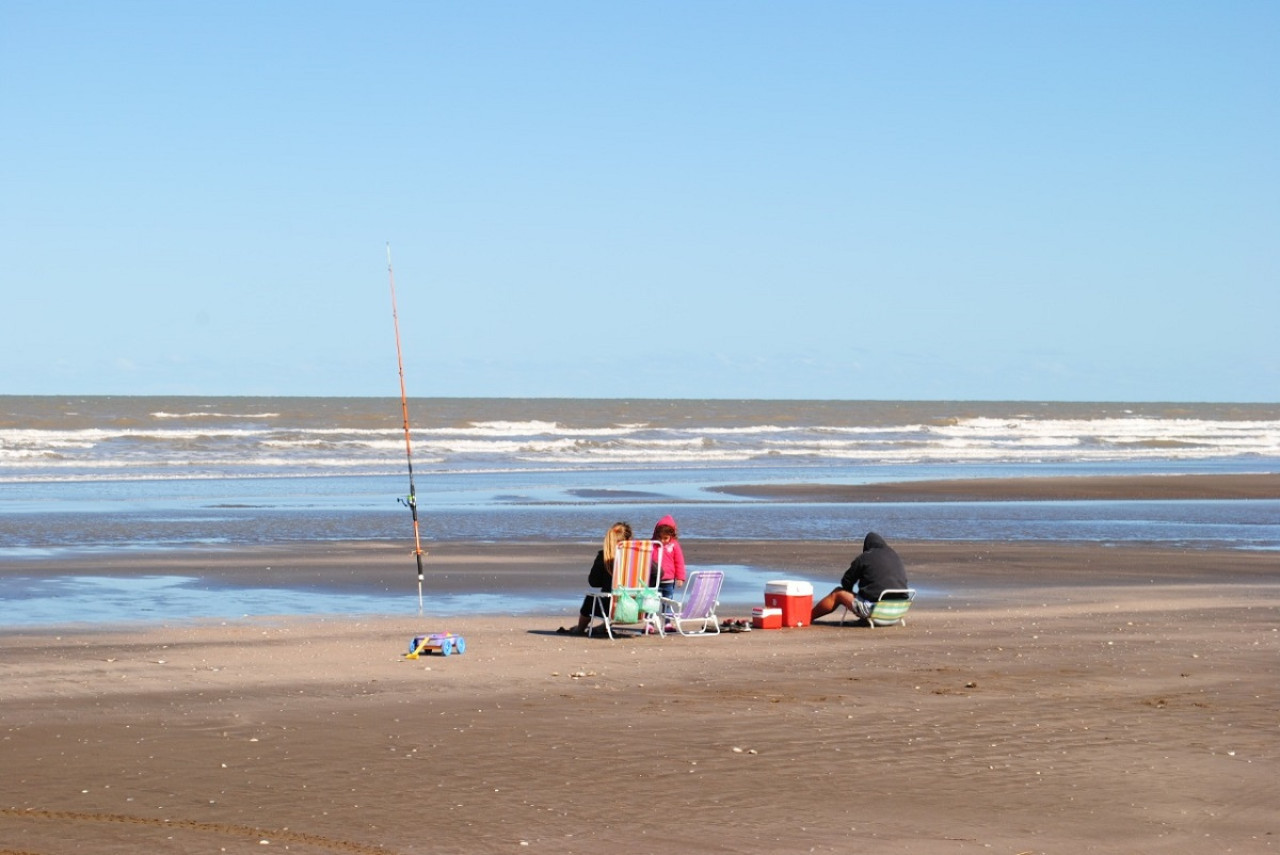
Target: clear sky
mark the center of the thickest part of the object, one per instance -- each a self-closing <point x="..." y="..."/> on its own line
<point x="687" y="198"/>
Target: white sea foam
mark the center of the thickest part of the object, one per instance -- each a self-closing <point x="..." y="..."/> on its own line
<point x="207" y="415"/>
<point x="302" y="444"/>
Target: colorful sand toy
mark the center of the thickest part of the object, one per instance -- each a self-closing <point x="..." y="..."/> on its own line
<point x="444" y="643"/>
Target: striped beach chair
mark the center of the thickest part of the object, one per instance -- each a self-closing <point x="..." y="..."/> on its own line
<point x="698" y="608"/>
<point x="637" y="565"/>
<point x="890" y="609"/>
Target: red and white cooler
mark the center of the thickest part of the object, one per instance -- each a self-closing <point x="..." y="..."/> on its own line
<point x="763" y="618"/>
<point x="795" y="599"/>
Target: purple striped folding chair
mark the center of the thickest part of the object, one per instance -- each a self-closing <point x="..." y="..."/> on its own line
<point x="698" y="608"/>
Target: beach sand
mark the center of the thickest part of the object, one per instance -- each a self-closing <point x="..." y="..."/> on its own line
<point x="1043" y="698"/>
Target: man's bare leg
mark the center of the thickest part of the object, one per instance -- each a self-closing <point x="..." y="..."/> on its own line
<point x="829" y="603"/>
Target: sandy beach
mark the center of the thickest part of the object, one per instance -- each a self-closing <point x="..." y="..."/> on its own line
<point x="1044" y="698"/>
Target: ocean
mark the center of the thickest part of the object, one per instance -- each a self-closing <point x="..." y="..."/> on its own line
<point x="97" y="473"/>
<point x="111" y="474"/>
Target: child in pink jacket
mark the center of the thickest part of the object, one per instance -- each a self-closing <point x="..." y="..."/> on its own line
<point x="668" y="534"/>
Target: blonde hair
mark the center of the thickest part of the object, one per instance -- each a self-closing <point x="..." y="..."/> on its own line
<point x="619" y="531"/>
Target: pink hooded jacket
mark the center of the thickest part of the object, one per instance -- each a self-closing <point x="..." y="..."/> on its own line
<point x="672" y="554"/>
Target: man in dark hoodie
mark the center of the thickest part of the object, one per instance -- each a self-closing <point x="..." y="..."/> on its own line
<point x="876" y="570"/>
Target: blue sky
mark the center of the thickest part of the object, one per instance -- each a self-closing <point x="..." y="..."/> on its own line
<point x="933" y="200"/>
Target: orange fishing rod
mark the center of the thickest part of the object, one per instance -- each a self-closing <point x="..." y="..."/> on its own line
<point x="412" y="500"/>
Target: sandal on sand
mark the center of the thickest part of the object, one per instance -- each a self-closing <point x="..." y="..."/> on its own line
<point x="572" y="630"/>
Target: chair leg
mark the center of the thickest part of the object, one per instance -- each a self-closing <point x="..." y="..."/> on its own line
<point x="605" y="606"/>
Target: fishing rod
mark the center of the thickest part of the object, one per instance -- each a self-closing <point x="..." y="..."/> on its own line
<point x="412" y="501"/>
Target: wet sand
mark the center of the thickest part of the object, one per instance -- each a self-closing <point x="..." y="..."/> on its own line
<point x="1044" y="698"/>
<point x="1097" y="488"/>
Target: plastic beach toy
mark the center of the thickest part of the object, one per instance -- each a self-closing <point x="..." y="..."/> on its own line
<point x="444" y="643"/>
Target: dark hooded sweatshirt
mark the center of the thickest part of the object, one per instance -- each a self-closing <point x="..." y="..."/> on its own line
<point x="878" y="568"/>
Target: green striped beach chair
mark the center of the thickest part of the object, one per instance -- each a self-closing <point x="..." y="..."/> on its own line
<point x="890" y="609"/>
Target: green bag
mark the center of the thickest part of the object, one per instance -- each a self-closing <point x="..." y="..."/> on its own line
<point x="625" y="607"/>
<point x="648" y="601"/>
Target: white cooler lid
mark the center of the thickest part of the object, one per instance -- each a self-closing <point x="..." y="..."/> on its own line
<point x="788" y="588"/>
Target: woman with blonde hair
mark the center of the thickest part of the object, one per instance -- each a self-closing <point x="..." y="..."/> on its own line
<point x="601" y="575"/>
